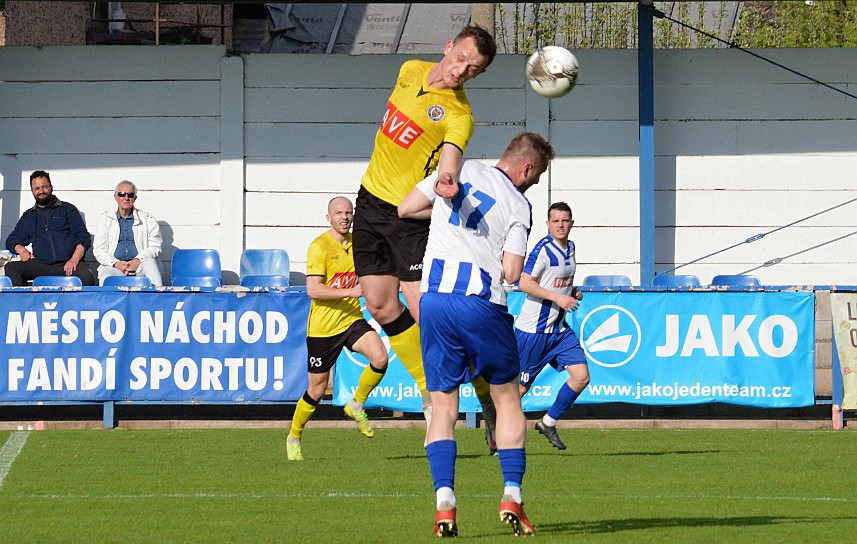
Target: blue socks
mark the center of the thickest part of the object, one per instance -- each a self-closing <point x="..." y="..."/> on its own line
<point x="513" y="463"/>
<point x="441" y="458"/>
<point x="564" y="399"/>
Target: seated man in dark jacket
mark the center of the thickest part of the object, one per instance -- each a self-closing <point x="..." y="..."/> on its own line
<point x="58" y="235"/>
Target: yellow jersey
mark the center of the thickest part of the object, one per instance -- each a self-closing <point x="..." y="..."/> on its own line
<point x="417" y="122"/>
<point x="334" y="262"/>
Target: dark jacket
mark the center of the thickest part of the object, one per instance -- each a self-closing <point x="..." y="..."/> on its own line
<point x="54" y="232"/>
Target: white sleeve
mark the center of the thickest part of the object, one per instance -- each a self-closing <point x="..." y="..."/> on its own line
<point x="426" y="187"/>
<point x="519" y="230"/>
<point x="516" y="240"/>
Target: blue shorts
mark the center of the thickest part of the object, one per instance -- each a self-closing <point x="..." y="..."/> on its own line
<point x="458" y="331"/>
<point x="541" y="349"/>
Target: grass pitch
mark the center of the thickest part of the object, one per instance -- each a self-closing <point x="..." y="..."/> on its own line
<point x="622" y="486"/>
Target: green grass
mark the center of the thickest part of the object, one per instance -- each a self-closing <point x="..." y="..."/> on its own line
<point x="610" y="486"/>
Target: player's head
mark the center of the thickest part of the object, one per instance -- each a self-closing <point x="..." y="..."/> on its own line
<point x="559" y="221"/>
<point x="466" y="56"/>
<point x="526" y="158"/>
<point x="340" y="214"/>
<point x="482" y="39"/>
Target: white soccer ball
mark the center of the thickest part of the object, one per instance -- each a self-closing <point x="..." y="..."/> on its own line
<point x="552" y="71"/>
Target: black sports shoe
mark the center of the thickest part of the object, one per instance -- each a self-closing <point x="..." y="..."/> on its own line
<point x="550" y="433"/>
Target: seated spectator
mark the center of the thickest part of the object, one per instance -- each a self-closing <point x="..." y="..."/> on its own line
<point x="127" y="240"/>
<point x="58" y="236"/>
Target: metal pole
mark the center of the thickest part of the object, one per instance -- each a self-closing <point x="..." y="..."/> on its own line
<point x="646" y="90"/>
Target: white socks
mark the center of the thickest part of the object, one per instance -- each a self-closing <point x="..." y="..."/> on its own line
<point x="513" y="492"/>
<point x="446" y="494"/>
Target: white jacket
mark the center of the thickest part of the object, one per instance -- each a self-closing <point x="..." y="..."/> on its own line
<point x="147" y="237"/>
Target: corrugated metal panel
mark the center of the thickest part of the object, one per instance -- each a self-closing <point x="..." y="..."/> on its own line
<point x="360" y="29"/>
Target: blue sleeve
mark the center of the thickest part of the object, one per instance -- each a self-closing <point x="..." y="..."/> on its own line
<point x="22" y="233"/>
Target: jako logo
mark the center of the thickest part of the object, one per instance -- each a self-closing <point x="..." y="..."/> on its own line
<point x="612" y="336"/>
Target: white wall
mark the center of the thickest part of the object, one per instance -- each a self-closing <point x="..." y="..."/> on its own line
<point x="234" y="152"/>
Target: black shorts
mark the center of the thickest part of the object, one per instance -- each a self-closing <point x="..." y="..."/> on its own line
<point x="384" y="243"/>
<point x="323" y="351"/>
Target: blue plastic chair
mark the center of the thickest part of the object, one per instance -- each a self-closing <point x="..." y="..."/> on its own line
<point x="196" y="281"/>
<point x="5" y="281"/>
<point x="677" y="280"/>
<point x="265" y="262"/>
<point x="607" y="280"/>
<point x="265" y="281"/>
<point x="57" y="281"/>
<point x="127" y="281"/>
<point x="195" y="263"/>
<point x="736" y="280"/>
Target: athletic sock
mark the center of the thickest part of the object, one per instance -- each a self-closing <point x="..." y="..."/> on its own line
<point x="513" y="464"/>
<point x="404" y="335"/>
<point x="303" y="412"/>
<point x="445" y="494"/>
<point x="549" y="421"/>
<point x="369" y="379"/>
<point x="513" y="492"/>
<point x="441" y="458"/>
<point x="564" y="399"/>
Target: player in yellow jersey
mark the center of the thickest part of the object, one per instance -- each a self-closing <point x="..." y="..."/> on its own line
<point x="426" y="126"/>
<point x="335" y="321"/>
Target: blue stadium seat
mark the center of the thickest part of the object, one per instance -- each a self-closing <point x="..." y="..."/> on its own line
<point x="736" y="280"/>
<point x="57" y="281"/>
<point x="677" y="280"/>
<point x="195" y="263"/>
<point x="196" y="281"/>
<point x="607" y="280"/>
<point x="127" y="281"/>
<point x="265" y="281"/>
<point x="265" y="262"/>
<point x="5" y="281"/>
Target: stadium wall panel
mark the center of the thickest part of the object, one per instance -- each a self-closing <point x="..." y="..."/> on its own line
<point x="232" y="152"/>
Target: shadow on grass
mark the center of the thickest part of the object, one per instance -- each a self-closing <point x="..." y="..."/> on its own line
<point x="422" y="457"/>
<point x="656" y="453"/>
<point x="633" y="524"/>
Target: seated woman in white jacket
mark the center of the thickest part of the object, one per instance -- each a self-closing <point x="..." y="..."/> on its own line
<point x="127" y="240"/>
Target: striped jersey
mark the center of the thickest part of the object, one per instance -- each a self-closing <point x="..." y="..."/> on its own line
<point x="553" y="267"/>
<point x="470" y="232"/>
<point x="417" y="122"/>
<point x="334" y="262"/>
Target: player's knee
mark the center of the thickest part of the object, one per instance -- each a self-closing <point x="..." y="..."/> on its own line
<point x="579" y="383"/>
<point x="384" y="311"/>
<point x="316" y="392"/>
<point x="379" y="362"/>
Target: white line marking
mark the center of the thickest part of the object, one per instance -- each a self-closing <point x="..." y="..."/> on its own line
<point x="333" y="494"/>
<point x="10" y="450"/>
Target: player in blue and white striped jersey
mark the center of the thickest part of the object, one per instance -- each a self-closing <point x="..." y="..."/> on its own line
<point x="544" y="338"/>
<point x="477" y="239"/>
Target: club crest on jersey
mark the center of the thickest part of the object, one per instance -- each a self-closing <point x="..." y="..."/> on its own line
<point x="436" y="113"/>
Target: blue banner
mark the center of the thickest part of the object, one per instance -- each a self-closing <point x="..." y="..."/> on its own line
<point x="153" y="346"/>
<point x="666" y="348"/>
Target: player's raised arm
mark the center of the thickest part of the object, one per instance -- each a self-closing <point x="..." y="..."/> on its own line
<point x="448" y="167"/>
<point x="417" y="203"/>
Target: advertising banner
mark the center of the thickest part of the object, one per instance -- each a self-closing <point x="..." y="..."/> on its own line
<point x="843" y="309"/>
<point x="153" y="346"/>
<point x="659" y="348"/>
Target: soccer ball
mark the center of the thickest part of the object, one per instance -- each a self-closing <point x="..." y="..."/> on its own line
<point x="552" y="71"/>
